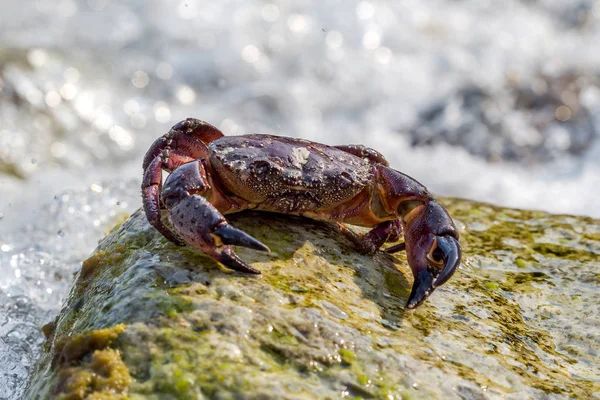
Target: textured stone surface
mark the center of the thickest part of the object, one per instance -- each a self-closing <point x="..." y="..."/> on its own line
<point x="146" y="319"/>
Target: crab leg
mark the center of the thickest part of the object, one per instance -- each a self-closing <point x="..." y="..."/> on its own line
<point x="395" y="249"/>
<point x="432" y="250"/>
<point x="185" y="142"/>
<point x="364" y="152"/>
<point x="430" y="236"/>
<point x="151" y="188"/>
<point x="189" y="137"/>
<point x="371" y="241"/>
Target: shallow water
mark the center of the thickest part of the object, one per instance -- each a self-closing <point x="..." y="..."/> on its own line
<point x="501" y="102"/>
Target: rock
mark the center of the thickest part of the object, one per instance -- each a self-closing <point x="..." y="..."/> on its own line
<point x="530" y="120"/>
<point x="147" y="319"/>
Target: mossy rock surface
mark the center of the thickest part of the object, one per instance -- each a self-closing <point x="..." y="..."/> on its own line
<point x="147" y="319"/>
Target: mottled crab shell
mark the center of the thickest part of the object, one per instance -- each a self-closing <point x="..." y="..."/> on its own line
<point x="287" y="174"/>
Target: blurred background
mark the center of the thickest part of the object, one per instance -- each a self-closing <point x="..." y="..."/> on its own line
<point x="493" y="101"/>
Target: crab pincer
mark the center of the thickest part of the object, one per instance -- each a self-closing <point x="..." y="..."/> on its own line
<point x="199" y="223"/>
<point x="432" y="250"/>
<point x="202" y="226"/>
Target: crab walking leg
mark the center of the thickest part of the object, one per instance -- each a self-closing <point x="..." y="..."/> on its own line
<point x="395" y="249"/>
<point x="362" y="151"/>
<point x="151" y="188"/>
<point x="188" y="137"/>
<point x="371" y="241"/>
<point x="198" y="129"/>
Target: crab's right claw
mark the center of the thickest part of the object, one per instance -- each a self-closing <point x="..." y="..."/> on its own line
<point x="230" y="235"/>
<point x="202" y="226"/>
<point x="228" y="258"/>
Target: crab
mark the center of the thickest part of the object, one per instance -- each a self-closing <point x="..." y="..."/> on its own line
<point x="212" y="175"/>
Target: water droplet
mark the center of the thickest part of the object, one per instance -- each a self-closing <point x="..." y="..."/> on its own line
<point x="186" y="94"/>
<point x="53" y="99"/>
<point x="164" y="71"/>
<point x="371" y="40"/>
<point x="162" y="113"/>
<point x="296" y="23"/>
<point x="270" y="12"/>
<point x="251" y="54"/>
<point x="37" y="57"/>
<point x="140" y="79"/>
<point x="364" y="10"/>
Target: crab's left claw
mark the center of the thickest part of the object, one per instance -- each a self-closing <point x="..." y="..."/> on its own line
<point x="450" y="254"/>
<point x="432" y="249"/>
<point x="435" y="266"/>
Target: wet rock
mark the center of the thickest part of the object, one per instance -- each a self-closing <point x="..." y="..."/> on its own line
<point x="147" y="319"/>
<point x="529" y="120"/>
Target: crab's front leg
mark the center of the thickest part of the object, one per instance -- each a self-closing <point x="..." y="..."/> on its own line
<point x="430" y="237"/>
<point x="199" y="223"/>
<point x="432" y="249"/>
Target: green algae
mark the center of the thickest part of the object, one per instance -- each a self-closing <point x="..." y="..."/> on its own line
<point x="104" y="376"/>
<point x="347" y="356"/>
<point x="85" y="365"/>
<point x="324" y="319"/>
<point x="68" y="349"/>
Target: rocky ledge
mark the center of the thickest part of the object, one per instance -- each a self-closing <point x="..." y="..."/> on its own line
<point x="146" y="319"/>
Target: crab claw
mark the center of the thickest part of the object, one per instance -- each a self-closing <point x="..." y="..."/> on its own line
<point x="230" y="235"/>
<point x="450" y="254"/>
<point x="202" y="226"/>
<point x="432" y="249"/>
<point x="432" y="265"/>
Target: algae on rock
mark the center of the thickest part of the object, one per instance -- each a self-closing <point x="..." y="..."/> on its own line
<point x="147" y="319"/>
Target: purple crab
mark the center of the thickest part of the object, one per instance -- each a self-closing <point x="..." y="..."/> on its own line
<point x="212" y="175"/>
